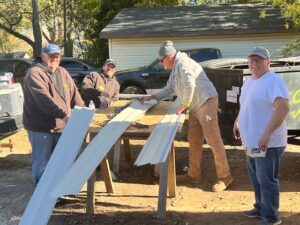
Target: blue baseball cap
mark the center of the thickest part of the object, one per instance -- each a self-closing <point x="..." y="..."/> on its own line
<point x="51" y="49"/>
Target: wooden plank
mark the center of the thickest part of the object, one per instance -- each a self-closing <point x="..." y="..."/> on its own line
<point x="162" y="194"/>
<point x="84" y="166"/>
<point x="172" y="173"/>
<point x="117" y="156"/>
<point x="42" y="202"/>
<point x="107" y="176"/>
<point x="90" y="195"/>
<point x="127" y="152"/>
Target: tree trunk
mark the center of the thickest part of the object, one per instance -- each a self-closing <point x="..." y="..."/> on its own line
<point x="37" y="49"/>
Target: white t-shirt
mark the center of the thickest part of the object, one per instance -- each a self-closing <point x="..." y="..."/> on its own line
<point x="257" y="97"/>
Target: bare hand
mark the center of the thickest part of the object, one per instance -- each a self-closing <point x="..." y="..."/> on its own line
<point x="104" y="94"/>
<point x="236" y="130"/>
<point x="263" y="142"/>
<point x="146" y="98"/>
<point x="180" y="109"/>
<point x="66" y="118"/>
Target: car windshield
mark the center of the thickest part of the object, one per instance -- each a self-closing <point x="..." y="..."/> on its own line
<point x="154" y="64"/>
<point x="89" y="63"/>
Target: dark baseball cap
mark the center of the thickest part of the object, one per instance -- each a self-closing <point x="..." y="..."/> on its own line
<point x="51" y="49"/>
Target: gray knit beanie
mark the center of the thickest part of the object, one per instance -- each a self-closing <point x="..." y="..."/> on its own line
<point x="166" y="48"/>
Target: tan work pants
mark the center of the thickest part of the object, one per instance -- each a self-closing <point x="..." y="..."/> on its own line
<point x="204" y="124"/>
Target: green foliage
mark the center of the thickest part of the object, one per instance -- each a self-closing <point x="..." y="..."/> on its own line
<point x="292" y="49"/>
<point x="218" y="2"/>
<point x="14" y="11"/>
<point x="8" y="43"/>
<point x="291" y="12"/>
<point x="15" y="16"/>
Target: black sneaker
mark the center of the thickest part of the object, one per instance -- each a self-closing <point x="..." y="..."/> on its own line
<point x="253" y="213"/>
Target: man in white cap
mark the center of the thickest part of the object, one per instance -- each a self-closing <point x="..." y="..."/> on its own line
<point x="263" y="131"/>
<point x="49" y="95"/>
<point x="190" y="84"/>
<point x="101" y="87"/>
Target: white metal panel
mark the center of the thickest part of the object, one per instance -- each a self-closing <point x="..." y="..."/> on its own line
<point x="41" y="203"/>
<point x="158" y="144"/>
<point x="133" y="53"/>
<point x="98" y="148"/>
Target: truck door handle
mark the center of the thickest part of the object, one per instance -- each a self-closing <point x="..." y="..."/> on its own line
<point x="145" y="74"/>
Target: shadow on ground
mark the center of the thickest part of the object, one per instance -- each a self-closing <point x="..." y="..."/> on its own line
<point x="173" y="218"/>
<point x="289" y="171"/>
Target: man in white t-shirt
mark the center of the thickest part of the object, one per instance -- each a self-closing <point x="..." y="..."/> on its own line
<point x="262" y="128"/>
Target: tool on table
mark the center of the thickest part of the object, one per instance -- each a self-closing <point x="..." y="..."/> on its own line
<point x="139" y="125"/>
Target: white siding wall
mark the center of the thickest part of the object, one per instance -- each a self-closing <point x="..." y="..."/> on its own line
<point x="132" y="53"/>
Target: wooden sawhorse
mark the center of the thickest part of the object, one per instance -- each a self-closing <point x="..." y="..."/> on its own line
<point x="167" y="181"/>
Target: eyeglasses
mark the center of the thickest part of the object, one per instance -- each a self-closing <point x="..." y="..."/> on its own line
<point x="162" y="59"/>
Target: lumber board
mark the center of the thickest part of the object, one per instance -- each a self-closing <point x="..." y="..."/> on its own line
<point x="162" y="193"/>
<point x="172" y="173"/>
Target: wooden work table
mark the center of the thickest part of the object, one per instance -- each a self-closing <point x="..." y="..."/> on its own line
<point x="167" y="169"/>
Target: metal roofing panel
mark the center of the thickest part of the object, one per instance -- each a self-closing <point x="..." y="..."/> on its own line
<point x="158" y="144"/>
<point x="41" y="203"/>
<point x="98" y="148"/>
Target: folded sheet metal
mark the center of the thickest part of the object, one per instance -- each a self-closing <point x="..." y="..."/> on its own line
<point x="42" y="202"/>
<point x="158" y="144"/>
<point x="93" y="154"/>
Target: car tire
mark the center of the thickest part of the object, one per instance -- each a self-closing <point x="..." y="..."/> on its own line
<point x="133" y="90"/>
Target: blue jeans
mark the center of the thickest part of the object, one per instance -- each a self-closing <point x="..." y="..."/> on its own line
<point x="263" y="173"/>
<point x="42" y="145"/>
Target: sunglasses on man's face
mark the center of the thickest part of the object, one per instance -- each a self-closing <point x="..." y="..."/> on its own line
<point x="162" y="59"/>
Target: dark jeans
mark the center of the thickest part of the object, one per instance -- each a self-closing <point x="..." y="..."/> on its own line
<point x="264" y="176"/>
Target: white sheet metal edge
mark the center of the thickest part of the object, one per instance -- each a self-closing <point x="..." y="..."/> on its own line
<point x="84" y="166"/>
<point x="160" y="140"/>
<point x="41" y="203"/>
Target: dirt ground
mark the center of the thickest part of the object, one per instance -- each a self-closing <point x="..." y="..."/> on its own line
<point x="136" y="189"/>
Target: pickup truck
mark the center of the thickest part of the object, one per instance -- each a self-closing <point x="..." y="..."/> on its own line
<point x="149" y="78"/>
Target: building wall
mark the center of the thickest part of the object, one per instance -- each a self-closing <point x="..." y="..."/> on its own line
<point x="132" y="53"/>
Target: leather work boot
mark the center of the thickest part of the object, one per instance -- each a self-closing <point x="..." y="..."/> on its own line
<point x="187" y="179"/>
<point x="222" y="183"/>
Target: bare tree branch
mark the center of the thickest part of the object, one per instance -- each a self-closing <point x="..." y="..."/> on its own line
<point x="16" y="34"/>
<point x="45" y="36"/>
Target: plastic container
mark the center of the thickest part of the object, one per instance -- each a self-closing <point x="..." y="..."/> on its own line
<point x="6" y="79"/>
<point x="11" y="100"/>
<point x="92" y="105"/>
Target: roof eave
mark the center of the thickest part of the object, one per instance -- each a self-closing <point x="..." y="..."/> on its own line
<point x="122" y="35"/>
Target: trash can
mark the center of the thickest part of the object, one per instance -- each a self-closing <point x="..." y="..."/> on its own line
<point x="228" y="76"/>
